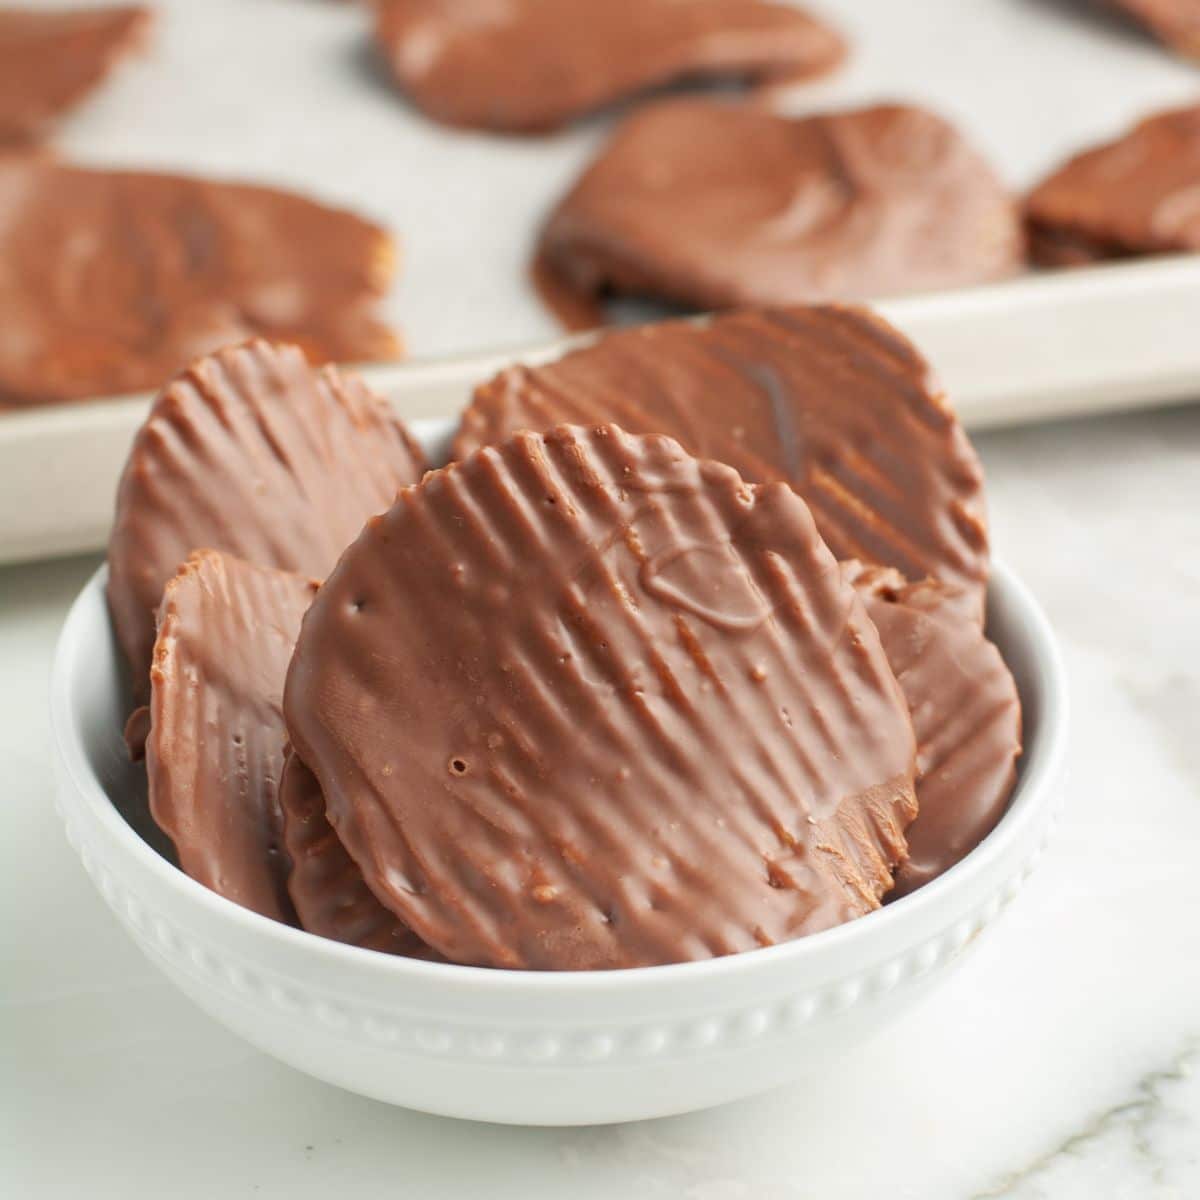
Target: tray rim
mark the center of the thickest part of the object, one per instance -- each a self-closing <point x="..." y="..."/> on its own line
<point x="1044" y="288"/>
<point x="1038" y="347"/>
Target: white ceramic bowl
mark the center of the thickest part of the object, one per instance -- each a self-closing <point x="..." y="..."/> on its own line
<point x="515" y="1046"/>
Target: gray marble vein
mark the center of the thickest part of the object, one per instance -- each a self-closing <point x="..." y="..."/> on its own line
<point x="1148" y="1145"/>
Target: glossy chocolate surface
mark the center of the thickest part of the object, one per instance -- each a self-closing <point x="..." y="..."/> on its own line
<point x="582" y="701"/>
<point x="965" y="712"/>
<point x="715" y="206"/>
<point x="531" y="65"/>
<point x="254" y="452"/>
<point x="327" y="888"/>
<point x="51" y="59"/>
<point x="1139" y="194"/>
<point x="226" y="632"/>
<point x="111" y="281"/>
<point x="833" y="400"/>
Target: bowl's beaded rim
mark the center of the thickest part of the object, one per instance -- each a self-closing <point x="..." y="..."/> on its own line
<point x="388" y="1031"/>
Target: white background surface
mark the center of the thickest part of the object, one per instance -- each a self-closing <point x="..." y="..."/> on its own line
<point x="283" y="92"/>
<point x="1059" y="1062"/>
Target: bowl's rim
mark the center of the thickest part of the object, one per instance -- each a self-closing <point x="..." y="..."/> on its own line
<point x="1039" y="772"/>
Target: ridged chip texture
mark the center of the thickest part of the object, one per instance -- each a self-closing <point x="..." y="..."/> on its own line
<point x="112" y="281"/>
<point x="325" y="885"/>
<point x="831" y="399"/>
<point x="531" y="65"/>
<point x="715" y="206"/>
<point x="254" y="452"/>
<point x="965" y="711"/>
<point x="583" y="701"/>
<point x="215" y="749"/>
<point x="1138" y="194"/>
<point x="50" y="61"/>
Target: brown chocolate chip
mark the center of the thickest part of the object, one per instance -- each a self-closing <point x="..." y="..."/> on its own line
<point x="532" y="65"/>
<point x="50" y="61"/>
<point x="966" y="714"/>
<point x="716" y="206"/>
<point x="325" y="884"/>
<point x="215" y="746"/>
<point x="254" y="452"/>
<point x="648" y="592"/>
<point x="1138" y="194"/>
<point x="112" y="281"/>
<point x="832" y="400"/>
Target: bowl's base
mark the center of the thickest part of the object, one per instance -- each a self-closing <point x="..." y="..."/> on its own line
<point x="545" y="1049"/>
<point x="540" y="1093"/>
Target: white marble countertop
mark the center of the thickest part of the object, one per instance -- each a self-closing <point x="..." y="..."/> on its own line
<point x="1060" y="1061"/>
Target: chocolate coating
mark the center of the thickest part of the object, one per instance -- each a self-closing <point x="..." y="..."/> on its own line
<point x="111" y="281"/>
<point x="226" y="633"/>
<point x="1139" y="194"/>
<point x="715" y="206"/>
<point x="1060" y="248"/>
<point x="833" y="400"/>
<point x="254" y="452"/>
<point x="582" y="701"/>
<point x="326" y="887"/>
<point x="532" y="65"/>
<point x="965" y="711"/>
<point x="51" y="60"/>
<point x="1175" y="22"/>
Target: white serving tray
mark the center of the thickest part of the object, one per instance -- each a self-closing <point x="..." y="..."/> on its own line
<point x="1028" y="81"/>
<point x="1038" y="347"/>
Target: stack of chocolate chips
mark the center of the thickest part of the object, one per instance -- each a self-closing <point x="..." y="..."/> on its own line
<point x="682" y="655"/>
